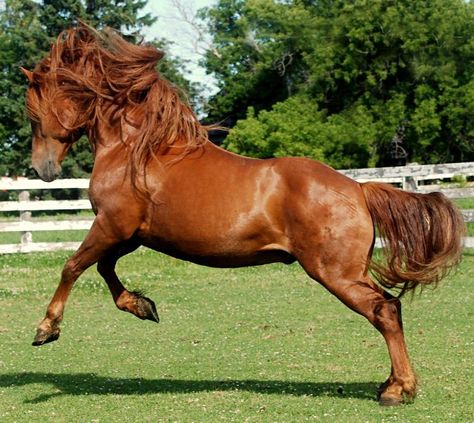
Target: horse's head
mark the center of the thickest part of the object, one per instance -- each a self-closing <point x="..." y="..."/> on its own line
<point x="54" y="124"/>
<point x="96" y="82"/>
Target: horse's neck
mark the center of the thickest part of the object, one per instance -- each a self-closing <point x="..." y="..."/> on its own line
<point x="103" y="137"/>
<point x="110" y="128"/>
<point x="113" y="134"/>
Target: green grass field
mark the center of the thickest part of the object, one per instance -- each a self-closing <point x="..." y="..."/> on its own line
<point x="465" y="203"/>
<point x="255" y="344"/>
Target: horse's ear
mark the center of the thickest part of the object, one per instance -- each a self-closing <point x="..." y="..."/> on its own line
<point x="27" y="73"/>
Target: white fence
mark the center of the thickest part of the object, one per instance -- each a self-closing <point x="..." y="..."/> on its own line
<point x="409" y="177"/>
<point x="414" y="178"/>
<point x="26" y="225"/>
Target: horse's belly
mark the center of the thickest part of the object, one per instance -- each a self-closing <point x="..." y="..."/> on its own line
<point x="220" y="252"/>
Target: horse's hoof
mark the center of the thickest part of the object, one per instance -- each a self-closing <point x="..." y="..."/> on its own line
<point x="43" y="337"/>
<point x="147" y="310"/>
<point x="387" y="401"/>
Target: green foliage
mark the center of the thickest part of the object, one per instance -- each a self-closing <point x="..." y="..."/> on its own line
<point x="410" y="65"/>
<point x="26" y="30"/>
<point x="56" y="15"/>
<point x="296" y="127"/>
<point x="256" y="59"/>
<point x="21" y="38"/>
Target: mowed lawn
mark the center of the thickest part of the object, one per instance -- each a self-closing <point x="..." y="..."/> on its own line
<point x="259" y="344"/>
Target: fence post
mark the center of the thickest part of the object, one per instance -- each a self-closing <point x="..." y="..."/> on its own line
<point x="26" y="237"/>
<point x="409" y="183"/>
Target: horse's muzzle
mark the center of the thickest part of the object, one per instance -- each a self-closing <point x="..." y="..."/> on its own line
<point x="49" y="171"/>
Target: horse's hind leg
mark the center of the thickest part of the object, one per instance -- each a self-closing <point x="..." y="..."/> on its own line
<point x="383" y="387"/>
<point x="347" y="280"/>
<point x="133" y="302"/>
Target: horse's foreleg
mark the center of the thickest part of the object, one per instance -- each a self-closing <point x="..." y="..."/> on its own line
<point x="133" y="302"/>
<point x="95" y="246"/>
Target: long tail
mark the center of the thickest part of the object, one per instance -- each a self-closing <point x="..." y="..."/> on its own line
<point x="422" y="235"/>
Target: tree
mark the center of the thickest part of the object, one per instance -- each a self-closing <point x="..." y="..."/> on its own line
<point x="21" y="36"/>
<point x="410" y="63"/>
<point x="407" y="65"/>
<point x="255" y="57"/>
<point x="56" y="15"/>
<point x="296" y="127"/>
<point x="26" y="30"/>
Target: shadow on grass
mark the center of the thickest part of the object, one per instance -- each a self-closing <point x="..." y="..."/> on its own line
<point x="92" y="384"/>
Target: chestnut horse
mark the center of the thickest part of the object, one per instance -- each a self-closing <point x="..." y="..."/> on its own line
<point x="158" y="181"/>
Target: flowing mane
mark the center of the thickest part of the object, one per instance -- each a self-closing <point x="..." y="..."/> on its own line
<point x="102" y="72"/>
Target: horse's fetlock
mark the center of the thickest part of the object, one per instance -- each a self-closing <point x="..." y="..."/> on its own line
<point x="123" y="301"/>
<point x="409" y="388"/>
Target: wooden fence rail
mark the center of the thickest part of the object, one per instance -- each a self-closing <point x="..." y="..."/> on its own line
<point x="413" y="177"/>
<point x="25" y="206"/>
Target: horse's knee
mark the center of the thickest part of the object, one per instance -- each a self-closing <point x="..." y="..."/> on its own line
<point x="71" y="270"/>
